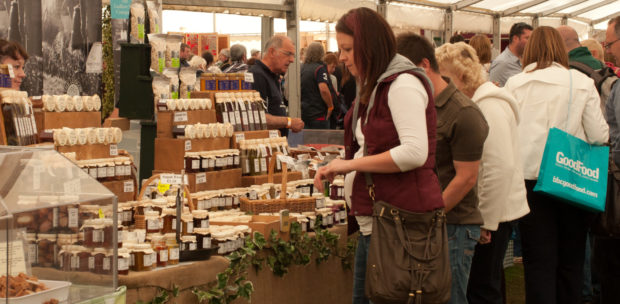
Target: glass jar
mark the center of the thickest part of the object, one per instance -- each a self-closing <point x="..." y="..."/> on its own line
<point x="201" y="218"/>
<point x="95" y="261"/>
<point x="203" y="238"/>
<point x="83" y="257"/>
<point x="169" y="216"/>
<point x="47" y="250"/>
<point x="108" y="234"/>
<point x="64" y="258"/>
<point x="142" y="257"/>
<point x="187" y="224"/>
<point x="75" y="258"/>
<point x="124" y="259"/>
<point x="158" y="242"/>
<point x="152" y="222"/>
<point x="189" y="243"/>
<point x="158" y="204"/>
<point x="173" y="248"/>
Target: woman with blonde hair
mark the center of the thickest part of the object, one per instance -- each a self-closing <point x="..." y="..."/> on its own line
<point x="554" y="232"/>
<point x="501" y="190"/>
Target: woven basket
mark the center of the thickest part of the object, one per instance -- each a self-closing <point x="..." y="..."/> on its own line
<point x="297" y="205"/>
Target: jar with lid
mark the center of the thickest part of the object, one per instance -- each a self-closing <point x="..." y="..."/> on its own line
<point x="124" y="259"/>
<point x="218" y="239"/>
<point x="204" y="162"/>
<point x="119" y="169"/>
<point x="187" y="224"/>
<point x="173" y="248"/>
<point x="125" y="213"/>
<point x="201" y="218"/>
<point x="83" y="257"/>
<point x="192" y="162"/>
<point x="158" y="204"/>
<point x="337" y="190"/>
<point x="64" y="258"/>
<point x="142" y="257"/>
<point x="158" y="243"/>
<point x="152" y="221"/>
<point x="221" y="110"/>
<point x="189" y="243"/>
<point x="169" y="216"/>
<point x="95" y="261"/>
<point x="111" y="170"/>
<point x="93" y="170"/>
<point x="93" y="232"/>
<point x="311" y="222"/>
<point x="203" y="238"/>
<point x="64" y="239"/>
<point x="74" y="258"/>
<point x="108" y="234"/>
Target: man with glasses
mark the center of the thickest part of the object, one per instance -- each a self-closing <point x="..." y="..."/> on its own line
<point x="607" y="249"/>
<point x="508" y="63"/>
<point x="279" y="53"/>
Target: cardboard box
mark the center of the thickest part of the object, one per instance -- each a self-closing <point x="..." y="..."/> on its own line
<point x="208" y="43"/>
<point x="58" y="120"/>
<point x="261" y="223"/>
<point x="117" y="122"/>
<point x="125" y="190"/>
<point x="90" y="151"/>
<point x="247" y="181"/>
<point x="167" y="120"/>
<point x="214" y="180"/>
<point x="170" y="152"/>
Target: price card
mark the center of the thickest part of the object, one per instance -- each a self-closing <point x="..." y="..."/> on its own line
<point x="16" y="258"/>
<point x="128" y="186"/>
<point x="188" y="145"/>
<point x="72" y="186"/>
<point x="101" y="215"/>
<point x="274" y="133"/>
<point x="201" y="178"/>
<point x="180" y="116"/>
<point x="248" y="77"/>
<point x="162" y="188"/>
<point x="113" y="150"/>
<point x="169" y="178"/>
<point x="239" y="137"/>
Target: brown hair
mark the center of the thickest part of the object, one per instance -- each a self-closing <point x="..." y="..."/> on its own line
<point x="416" y="48"/>
<point x="482" y="45"/>
<point x="616" y="21"/>
<point x="12" y="49"/>
<point x="545" y="47"/>
<point x="374" y="45"/>
<point x="330" y="58"/>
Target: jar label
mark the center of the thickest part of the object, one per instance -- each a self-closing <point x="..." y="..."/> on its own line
<point x="208" y="204"/>
<point x="256" y="117"/>
<point x="132" y="262"/>
<point x="229" y="201"/>
<point x="127" y="216"/>
<point x="204" y="224"/>
<point x="237" y="117"/>
<point x="128" y="186"/>
<point x="257" y="165"/>
<point x="245" y="116"/>
<point x="123" y="264"/>
<point x="147" y="260"/>
<point x="102" y="172"/>
<point x="263" y="164"/>
<point x="91" y="263"/>
<point x="127" y="169"/>
<point x="55" y="217"/>
<point x="174" y="224"/>
<point x="337" y="217"/>
<point x="119" y="170"/>
<point x="152" y="224"/>
<point x="119" y="236"/>
<point x="195" y="164"/>
<point x="205" y="163"/>
<point x="93" y="172"/>
<point x="304" y="227"/>
<point x="163" y="255"/>
<point x="201" y="178"/>
<point x="236" y="201"/>
<point x="174" y="254"/>
<point x="190" y="227"/>
<point x="111" y="171"/>
<point x="236" y="160"/>
<point x="231" y="117"/>
<point x="73" y="217"/>
<point x="192" y="246"/>
<point x="229" y="161"/>
<point x="206" y="242"/>
<point x="32" y="253"/>
<point x="160" y="221"/>
<point x="246" y="166"/>
<point x="262" y="117"/>
<point x="106" y="263"/>
<point x="225" y="117"/>
<point x="98" y="236"/>
<point x="75" y="262"/>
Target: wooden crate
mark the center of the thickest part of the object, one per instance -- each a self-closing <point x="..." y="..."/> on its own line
<point x="167" y="120"/>
<point x="214" y="180"/>
<point x="170" y="152"/>
<point x="90" y="151"/>
<point x="125" y="190"/>
<point x="58" y="120"/>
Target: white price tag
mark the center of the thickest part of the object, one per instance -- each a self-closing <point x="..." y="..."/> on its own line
<point x="72" y="186"/>
<point x="188" y="145"/>
<point x="113" y="150"/>
<point x="248" y="77"/>
<point x="171" y="179"/>
<point x="239" y="137"/>
<point x="128" y="186"/>
<point x="201" y="178"/>
<point x="274" y="133"/>
<point x="12" y="74"/>
<point x="180" y="116"/>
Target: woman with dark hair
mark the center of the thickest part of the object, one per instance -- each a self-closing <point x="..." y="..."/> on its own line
<point x="391" y="141"/>
<point x="553" y="234"/>
<point x="14" y="54"/>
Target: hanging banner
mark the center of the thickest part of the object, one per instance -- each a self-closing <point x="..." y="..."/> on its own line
<point x="120" y="9"/>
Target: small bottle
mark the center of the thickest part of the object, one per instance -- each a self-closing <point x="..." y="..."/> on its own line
<point x="261" y="109"/>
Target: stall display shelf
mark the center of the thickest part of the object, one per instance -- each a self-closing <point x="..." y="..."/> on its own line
<point x="214" y="180"/>
<point x="90" y="151"/>
<point x="167" y="120"/>
<point x="170" y="152"/>
<point x="59" y="120"/>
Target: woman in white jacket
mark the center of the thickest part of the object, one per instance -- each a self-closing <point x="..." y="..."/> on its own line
<point x="501" y="190"/>
<point x="553" y="234"/>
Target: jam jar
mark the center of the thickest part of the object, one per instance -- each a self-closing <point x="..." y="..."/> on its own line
<point x="142" y="257"/>
<point x="124" y="259"/>
<point x="201" y="218"/>
<point x="152" y="221"/>
<point x="173" y="248"/>
<point x="64" y="258"/>
<point x="169" y="217"/>
<point x="108" y="233"/>
<point x="83" y="257"/>
<point x="189" y="243"/>
<point x="95" y="261"/>
<point x="74" y="261"/>
<point x="187" y="224"/>
<point x="158" y="204"/>
<point x="47" y="250"/>
<point x="158" y="242"/>
<point x="203" y="237"/>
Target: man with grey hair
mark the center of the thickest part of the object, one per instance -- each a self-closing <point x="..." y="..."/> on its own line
<point x="607" y="247"/>
<point x="576" y="52"/>
<point x="316" y="98"/>
<point x="279" y="53"/>
<point x="238" y="59"/>
<point x="223" y="59"/>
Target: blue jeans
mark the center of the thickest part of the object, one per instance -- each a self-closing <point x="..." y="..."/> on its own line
<point x="359" y="271"/>
<point x="462" y="240"/>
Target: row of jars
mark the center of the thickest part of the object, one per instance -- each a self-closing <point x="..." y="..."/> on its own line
<point x="211" y="130"/>
<point x="66" y="103"/>
<point x="107" y="169"/>
<point x="87" y="136"/>
<point x="185" y="104"/>
<point x="208" y="161"/>
<point x="224" y="82"/>
<point x="245" y="111"/>
<point x="256" y="154"/>
<point x="166" y="221"/>
<point x="66" y="218"/>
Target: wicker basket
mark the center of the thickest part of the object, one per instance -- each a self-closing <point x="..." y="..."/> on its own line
<point x="297" y="205"/>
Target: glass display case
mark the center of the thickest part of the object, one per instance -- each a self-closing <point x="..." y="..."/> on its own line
<point x="57" y="228"/>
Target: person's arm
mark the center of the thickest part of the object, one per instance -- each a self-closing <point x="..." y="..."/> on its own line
<point x="470" y="132"/>
<point x="281" y="122"/>
<point x="327" y="97"/>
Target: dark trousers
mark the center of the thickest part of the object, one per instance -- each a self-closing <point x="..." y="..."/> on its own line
<point x="485" y="275"/>
<point x="607" y="264"/>
<point x="553" y="237"/>
<point x="316" y="124"/>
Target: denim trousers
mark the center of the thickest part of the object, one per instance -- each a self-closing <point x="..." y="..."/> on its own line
<point x="359" y="270"/>
<point x="462" y="240"/>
